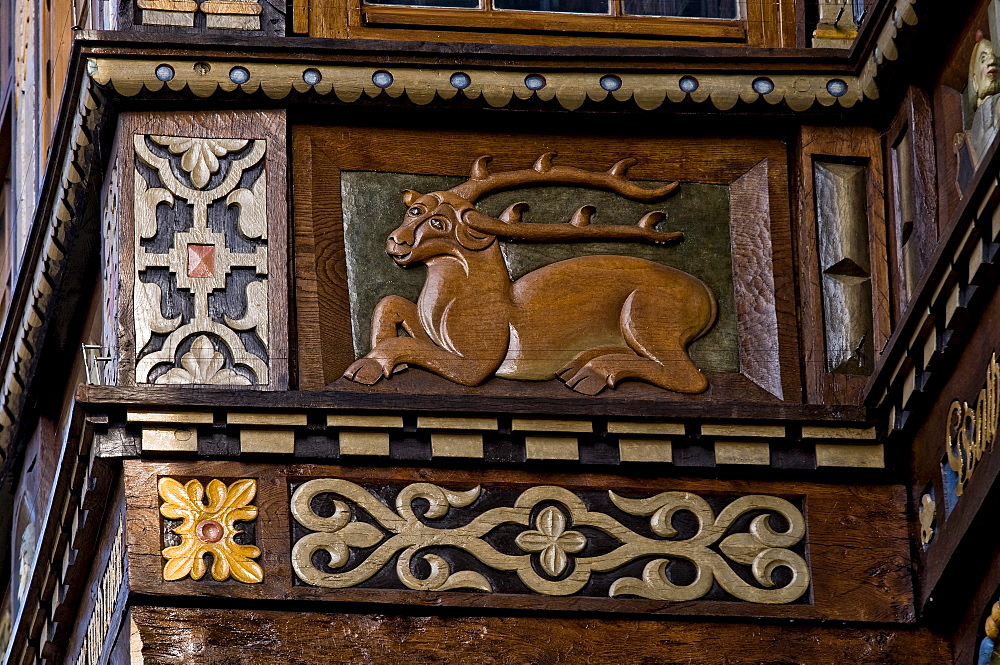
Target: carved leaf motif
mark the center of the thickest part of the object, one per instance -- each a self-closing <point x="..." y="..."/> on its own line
<point x="742" y="547"/>
<point x="203" y="364"/>
<point x="200" y="157"/>
<point x="407" y="534"/>
<point x="209" y="529"/>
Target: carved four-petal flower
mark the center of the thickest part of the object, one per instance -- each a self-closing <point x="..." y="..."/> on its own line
<point x="209" y="529"/>
<point x="551" y="541"/>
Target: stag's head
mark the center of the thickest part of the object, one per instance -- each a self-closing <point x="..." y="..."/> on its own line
<point x="447" y="222"/>
<point x="434" y="226"/>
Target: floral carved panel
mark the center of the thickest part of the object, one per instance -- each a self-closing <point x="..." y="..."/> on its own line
<point x="206" y="298"/>
<point x="547" y="540"/>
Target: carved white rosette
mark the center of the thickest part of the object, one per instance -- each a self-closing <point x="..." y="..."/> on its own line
<point x="560" y="546"/>
<point x="200" y="301"/>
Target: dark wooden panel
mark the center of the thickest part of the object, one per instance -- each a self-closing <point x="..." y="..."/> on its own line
<point x="856" y="540"/>
<point x="190" y="636"/>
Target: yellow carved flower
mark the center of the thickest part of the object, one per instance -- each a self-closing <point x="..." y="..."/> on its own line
<point x="210" y="529"/>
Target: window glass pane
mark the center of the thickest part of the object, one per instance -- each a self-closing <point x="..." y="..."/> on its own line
<point x="565" y="6"/>
<point x="458" y="4"/>
<point x="699" y="8"/>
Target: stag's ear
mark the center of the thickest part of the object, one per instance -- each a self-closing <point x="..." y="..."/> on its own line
<point x="470" y="237"/>
<point x="410" y="197"/>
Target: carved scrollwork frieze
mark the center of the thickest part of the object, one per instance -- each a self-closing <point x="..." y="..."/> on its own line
<point x="674" y="546"/>
<point x="200" y="297"/>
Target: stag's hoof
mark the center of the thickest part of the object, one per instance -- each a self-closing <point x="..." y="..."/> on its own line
<point x="367" y="371"/>
<point x="588" y="381"/>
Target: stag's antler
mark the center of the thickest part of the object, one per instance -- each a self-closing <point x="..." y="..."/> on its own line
<point x="509" y="225"/>
<point x="482" y="182"/>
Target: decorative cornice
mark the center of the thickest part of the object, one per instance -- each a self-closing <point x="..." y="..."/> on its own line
<point x="583" y="441"/>
<point x="498" y="88"/>
<point x="885" y="46"/>
<point x="58" y="228"/>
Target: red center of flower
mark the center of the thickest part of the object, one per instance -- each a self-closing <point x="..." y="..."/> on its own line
<point x="209" y="531"/>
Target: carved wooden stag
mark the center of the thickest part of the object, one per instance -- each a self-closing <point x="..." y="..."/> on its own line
<point x="591" y="321"/>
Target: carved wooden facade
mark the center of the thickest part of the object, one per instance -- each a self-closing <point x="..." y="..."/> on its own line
<point x="502" y="331"/>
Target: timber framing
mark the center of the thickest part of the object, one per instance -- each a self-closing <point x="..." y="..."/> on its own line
<point x="87" y="108"/>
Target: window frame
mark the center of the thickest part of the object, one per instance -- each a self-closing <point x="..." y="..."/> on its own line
<point x="761" y="23"/>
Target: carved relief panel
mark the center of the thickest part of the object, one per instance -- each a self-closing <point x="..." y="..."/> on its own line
<point x="202" y="294"/>
<point x="542" y="265"/>
<point x="516" y="540"/>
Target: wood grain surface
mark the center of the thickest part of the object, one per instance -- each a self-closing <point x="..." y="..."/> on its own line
<point x="191" y="636"/>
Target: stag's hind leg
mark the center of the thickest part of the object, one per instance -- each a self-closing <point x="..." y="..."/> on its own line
<point x="570" y="369"/>
<point x="659" y="338"/>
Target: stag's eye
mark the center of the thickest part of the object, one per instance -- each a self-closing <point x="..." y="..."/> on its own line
<point x="437" y="224"/>
<point x="414" y="211"/>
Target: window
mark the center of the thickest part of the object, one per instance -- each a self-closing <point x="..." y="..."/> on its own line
<point x="556" y="22"/>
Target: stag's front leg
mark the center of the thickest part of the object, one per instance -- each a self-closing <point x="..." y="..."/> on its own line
<point x="391" y="353"/>
<point x="391" y="313"/>
<point x="397" y="351"/>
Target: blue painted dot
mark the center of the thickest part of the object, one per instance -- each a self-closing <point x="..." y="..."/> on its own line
<point x="763" y="85"/>
<point x="534" y="82"/>
<point x="688" y="84"/>
<point x="611" y="82"/>
<point x="165" y="73"/>
<point x="239" y="75"/>
<point x="836" y="87"/>
<point x="312" y="76"/>
<point x="382" y="79"/>
<point x="460" y="80"/>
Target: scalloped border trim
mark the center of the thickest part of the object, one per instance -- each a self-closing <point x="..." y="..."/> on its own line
<point x="422" y="86"/>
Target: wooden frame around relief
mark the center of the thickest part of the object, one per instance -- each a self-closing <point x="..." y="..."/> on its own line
<point x="753" y="168"/>
<point x="856" y="145"/>
<point x="243" y="124"/>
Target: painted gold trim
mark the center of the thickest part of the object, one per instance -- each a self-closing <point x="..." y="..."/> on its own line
<point x="364" y="443"/>
<point x="742" y="452"/>
<point x="277" y="419"/>
<point x="552" y="447"/>
<point x="456" y="444"/>
<point x="645" y="450"/>
<point x="267" y="441"/>
<point x="339" y="420"/>
<point x="169" y="439"/>
<point x="551" y="425"/>
<point x="769" y="431"/>
<point x="864" y="456"/>
<point x="629" y="427"/>
<point x="438" y="422"/>
<point x="182" y="417"/>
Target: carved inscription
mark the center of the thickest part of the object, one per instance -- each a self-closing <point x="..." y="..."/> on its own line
<point x="547" y="540"/>
<point x="973" y="430"/>
<point x="590" y="321"/>
<point x="201" y="291"/>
